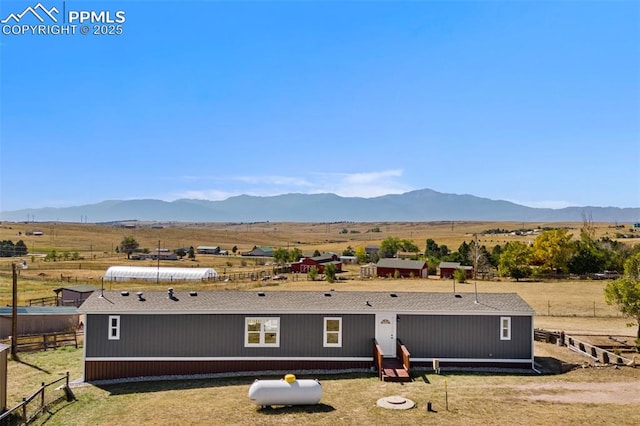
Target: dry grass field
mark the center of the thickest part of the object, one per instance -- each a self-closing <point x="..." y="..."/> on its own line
<point x="99" y="240"/>
<point x="96" y="245"/>
<point x="595" y="395"/>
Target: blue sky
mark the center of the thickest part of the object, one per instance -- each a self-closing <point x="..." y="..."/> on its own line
<point x="532" y="102"/>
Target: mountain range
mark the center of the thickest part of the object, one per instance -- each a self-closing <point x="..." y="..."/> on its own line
<point x="413" y="206"/>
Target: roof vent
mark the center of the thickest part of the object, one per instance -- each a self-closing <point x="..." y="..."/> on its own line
<point x="458" y="296"/>
<point x="261" y="293"/>
<point x="140" y="296"/>
<point x="124" y="293"/>
<point x="170" y="294"/>
<point x="393" y="295"/>
<point x="193" y="293"/>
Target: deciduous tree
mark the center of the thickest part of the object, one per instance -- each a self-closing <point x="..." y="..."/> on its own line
<point x="312" y="274"/>
<point x="330" y="272"/>
<point x="295" y="254"/>
<point x="514" y="260"/>
<point x="625" y="292"/>
<point x="128" y="245"/>
<point x="552" y="249"/>
<point x="389" y="247"/>
<point x="281" y="255"/>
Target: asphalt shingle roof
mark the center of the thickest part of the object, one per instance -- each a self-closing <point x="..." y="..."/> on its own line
<point x="304" y="302"/>
<point x="449" y="265"/>
<point x="40" y="310"/>
<point x="389" y="262"/>
<point x="80" y="288"/>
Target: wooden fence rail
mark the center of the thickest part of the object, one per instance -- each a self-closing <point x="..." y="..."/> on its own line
<point x="595" y="353"/>
<point x="43" y="342"/>
<point x="547" y="336"/>
<point x="44" y="301"/>
<point x="31" y="407"/>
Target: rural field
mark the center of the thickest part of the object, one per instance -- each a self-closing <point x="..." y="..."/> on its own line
<point x="588" y="394"/>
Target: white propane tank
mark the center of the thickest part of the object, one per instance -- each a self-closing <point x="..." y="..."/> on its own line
<point x="287" y="391"/>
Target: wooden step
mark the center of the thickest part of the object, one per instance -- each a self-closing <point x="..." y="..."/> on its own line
<point x="393" y="371"/>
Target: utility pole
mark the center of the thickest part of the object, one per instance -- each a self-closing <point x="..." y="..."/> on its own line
<point x="14" y="311"/>
<point x="475" y="257"/>
<point x="158" y="257"/>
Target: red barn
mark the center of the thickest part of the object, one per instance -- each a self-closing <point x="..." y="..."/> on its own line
<point x="446" y="269"/>
<point x="405" y="268"/>
<point x="305" y="264"/>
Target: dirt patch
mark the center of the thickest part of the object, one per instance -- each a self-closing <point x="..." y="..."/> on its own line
<point x="582" y="393"/>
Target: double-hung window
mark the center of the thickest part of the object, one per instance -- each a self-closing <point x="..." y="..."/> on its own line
<point x="114" y="327"/>
<point x="262" y="332"/>
<point x="332" y="336"/>
<point x="505" y="328"/>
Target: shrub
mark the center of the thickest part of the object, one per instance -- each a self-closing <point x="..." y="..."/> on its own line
<point x="460" y="275"/>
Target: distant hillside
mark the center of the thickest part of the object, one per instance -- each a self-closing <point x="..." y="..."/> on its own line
<point x="420" y="205"/>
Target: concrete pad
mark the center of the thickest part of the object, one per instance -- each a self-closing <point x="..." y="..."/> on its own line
<point x="395" y="403"/>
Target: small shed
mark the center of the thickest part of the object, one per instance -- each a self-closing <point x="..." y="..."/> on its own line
<point x="369" y="270"/>
<point x="208" y="250"/>
<point x="407" y="255"/>
<point x="262" y="251"/>
<point x="405" y="268"/>
<point x="74" y="295"/>
<point x="349" y="259"/>
<point x="371" y="250"/>
<point x="157" y="254"/>
<point x="446" y="269"/>
<point x="39" y="319"/>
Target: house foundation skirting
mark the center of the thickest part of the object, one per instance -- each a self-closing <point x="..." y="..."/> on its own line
<point x="105" y="369"/>
<point x="473" y="363"/>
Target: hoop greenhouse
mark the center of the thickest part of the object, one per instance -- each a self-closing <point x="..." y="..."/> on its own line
<point x="143" y="273"/>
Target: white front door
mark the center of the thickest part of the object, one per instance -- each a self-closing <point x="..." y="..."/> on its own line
<point x="386" y="334"/>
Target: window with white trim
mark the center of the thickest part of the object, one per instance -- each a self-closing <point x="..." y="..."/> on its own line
<point x="505" y="328"/>
<point x="332" y="336"/>
<point x="262" y="332"/>
<point x="114" y="327"/>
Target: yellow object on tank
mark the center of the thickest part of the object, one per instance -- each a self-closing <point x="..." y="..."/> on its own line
<point x="290" y="378"/>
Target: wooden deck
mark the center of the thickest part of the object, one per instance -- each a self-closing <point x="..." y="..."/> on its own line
<point x="394" y="371"/>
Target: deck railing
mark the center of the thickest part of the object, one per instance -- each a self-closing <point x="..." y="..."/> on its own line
<point x="377" y="357"/>
<point x="403" y="354"/>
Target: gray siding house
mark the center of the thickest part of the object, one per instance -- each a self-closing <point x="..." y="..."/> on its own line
<point x="167" y="333"/>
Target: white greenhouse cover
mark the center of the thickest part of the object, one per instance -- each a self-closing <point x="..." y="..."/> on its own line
<point x="147" y="273"/>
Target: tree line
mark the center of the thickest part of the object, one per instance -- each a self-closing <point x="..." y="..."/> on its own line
<point x="9" y="249"/>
